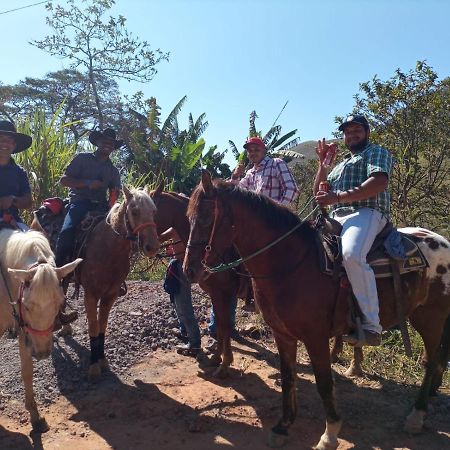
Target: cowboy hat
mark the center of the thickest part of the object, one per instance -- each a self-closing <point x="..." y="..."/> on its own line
<point x="23" y="141"/>
<point x="108" y="133"/>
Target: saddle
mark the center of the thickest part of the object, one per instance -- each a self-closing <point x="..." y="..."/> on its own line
<point x="392" y="254"/>
<point x="380" y="256"/>
<point x="50" y="216"/>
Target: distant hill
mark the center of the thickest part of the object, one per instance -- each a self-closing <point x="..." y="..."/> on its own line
<point x="307" y="149"/>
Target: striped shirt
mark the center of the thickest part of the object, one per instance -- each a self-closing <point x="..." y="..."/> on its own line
<point x="357" y="168"/>
<point x="272" y="178"/>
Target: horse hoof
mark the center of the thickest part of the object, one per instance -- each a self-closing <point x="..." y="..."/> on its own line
<point x="276" y="440"/>
<point x="104" y="364"/>
<point x="66" y="330"/>
<point x="325" y="445"/>
<point x="354" y="371"/>
<point x="40" y="426"/>
<point x="94" y="372"/>
<point x="221" y="372"/>
<point x="414" y="422"/>
<point x="215" y="361"/>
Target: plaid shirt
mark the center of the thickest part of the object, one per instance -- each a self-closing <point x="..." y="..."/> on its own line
<point x="271" y="177"/>
<point x="357" y="168"/>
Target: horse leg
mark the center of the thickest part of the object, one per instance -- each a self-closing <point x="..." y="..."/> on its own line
<point x="223" y="354"/>
<point x="318" y="351"/>
<point x="443" y="359"/>
<point x="355" y="369"/>
<point x="431" y="336"/>
<point x="38" y="423"/>
<point x="224" y="327"/>
<point x="287" y="349"/>
<point x="336" y="348"/>
<point x="90" y="304"/>
<point x="106" y="304"/>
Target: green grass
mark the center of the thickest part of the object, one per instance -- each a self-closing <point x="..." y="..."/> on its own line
<point x="389" y="360"/>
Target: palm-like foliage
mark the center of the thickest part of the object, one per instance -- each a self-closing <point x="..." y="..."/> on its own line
<point x="276" y="145"/>
<point x="165" y="150"/>
<point x="49" y="154"/>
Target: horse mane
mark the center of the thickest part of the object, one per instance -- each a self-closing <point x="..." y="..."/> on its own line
<point x="116" y="215"/>
<point x="279" y="217"/>
<point x="19" y="249"/>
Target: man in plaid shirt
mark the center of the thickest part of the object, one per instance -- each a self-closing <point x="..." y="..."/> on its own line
<point x="360" y="201"/>
<point x="268" y="176"/>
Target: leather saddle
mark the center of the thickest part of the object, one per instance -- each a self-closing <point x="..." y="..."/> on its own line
<point x="380" y="255"/>
<point x="51" y="221"/>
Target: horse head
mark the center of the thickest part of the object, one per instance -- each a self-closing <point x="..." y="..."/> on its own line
<point x="140" y="218"/>
<point x="211" y="234"/>
<point x="38" y="303"/>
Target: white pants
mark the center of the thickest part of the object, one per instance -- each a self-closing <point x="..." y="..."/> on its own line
<point x="359" y="230"/>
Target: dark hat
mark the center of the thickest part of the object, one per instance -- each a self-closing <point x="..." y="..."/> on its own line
<point x="256" y="141"/>
<point x="108" y="133"/>
<point x="357" y="118"/>
<point x="23" y="141"/>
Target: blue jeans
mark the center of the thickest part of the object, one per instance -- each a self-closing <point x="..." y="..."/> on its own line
<point x="185" y="312"/>
<point x="66" y="239"/>
<point x="212" y="327"/>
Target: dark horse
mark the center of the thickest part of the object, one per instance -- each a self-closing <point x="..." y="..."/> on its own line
<point x="300" y="303"/>
<point x="171" y="212"/>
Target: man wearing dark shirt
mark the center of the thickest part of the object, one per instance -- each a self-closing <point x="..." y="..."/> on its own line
<point x="15" y="192"/>
<point x="89" y="176"/>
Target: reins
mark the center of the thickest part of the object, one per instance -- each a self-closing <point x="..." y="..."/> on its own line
<point x="19" y="316"/>
<point x="226" y="266"/>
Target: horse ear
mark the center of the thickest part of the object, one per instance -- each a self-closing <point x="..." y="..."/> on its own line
<point x="207" y="182"/>
<point x="61" y="272"/>
<point x="22" y="275"/>
<point x="126" y="193"/>
<point x="159" y="189"/>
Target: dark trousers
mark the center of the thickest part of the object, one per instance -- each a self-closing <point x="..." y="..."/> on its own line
<point x="185" y="312"/>
<point x="66" y="239"/>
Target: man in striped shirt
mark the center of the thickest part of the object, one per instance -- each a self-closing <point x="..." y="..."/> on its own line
<point x="268" y="176"/>
<point x="360" y="201"/>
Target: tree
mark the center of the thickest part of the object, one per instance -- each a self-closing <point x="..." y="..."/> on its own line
<point x="276" y="145"/>
<point x="68" y="89"/>
<point x="101" y="46"/>
<point x="410" y="115"/>
<point x="164" y="149"/>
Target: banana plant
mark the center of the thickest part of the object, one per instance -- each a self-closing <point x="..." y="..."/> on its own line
<point x="277" y="146"/>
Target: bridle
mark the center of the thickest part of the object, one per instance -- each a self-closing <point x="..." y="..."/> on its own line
<point x="19" y="317"/>
<point x="207" y="244"/>
<point x="226" y="266"/>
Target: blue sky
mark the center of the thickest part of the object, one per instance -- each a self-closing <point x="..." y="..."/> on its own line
<point x="234" y="56"/>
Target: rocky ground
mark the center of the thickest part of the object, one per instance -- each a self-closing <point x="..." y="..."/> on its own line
<point x="154" y="398"/>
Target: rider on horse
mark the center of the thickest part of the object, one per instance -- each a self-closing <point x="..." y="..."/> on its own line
<point x="15" y="192"/>
<point x="360" y="201"/>
<point x="88" y="177"/>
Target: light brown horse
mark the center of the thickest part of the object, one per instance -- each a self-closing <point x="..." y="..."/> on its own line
<point x="299" y="302"/>
<point x="30" y="298"/>
<point x="222" y="287"/>
<point x="106" y="263"/>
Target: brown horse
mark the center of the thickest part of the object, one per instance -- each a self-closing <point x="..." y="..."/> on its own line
<point x="107" y="263"/>
<point x="30" y="298"/>
<point x="221" y="287"/>
<point x="299" y="302"/>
